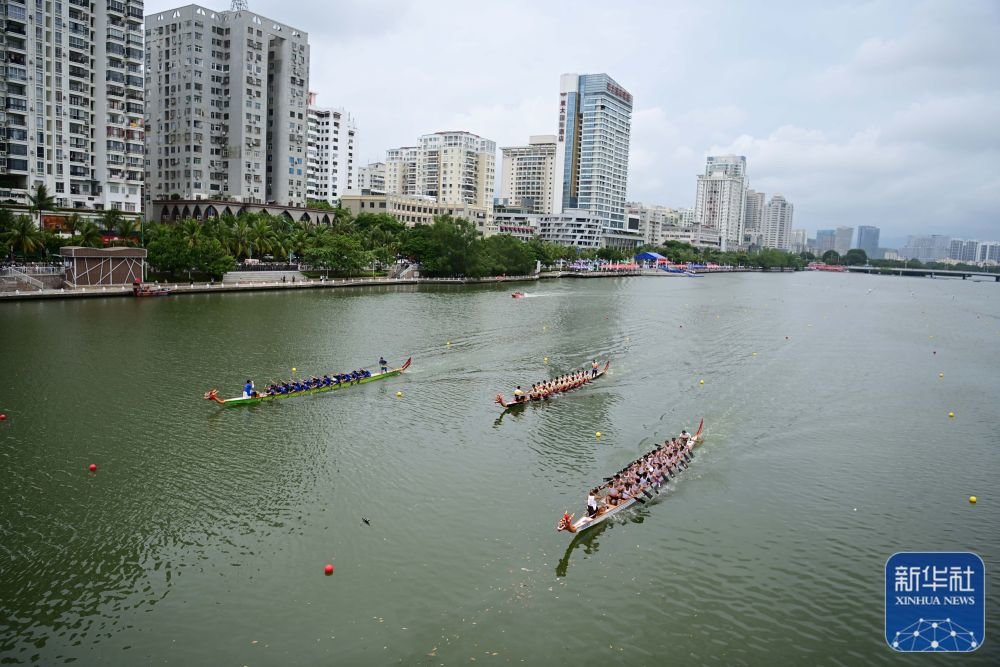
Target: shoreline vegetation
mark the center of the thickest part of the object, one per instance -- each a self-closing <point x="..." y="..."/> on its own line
<point x="350" y="245"/>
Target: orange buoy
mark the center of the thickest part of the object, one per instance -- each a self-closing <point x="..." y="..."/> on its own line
<point x="328" y="569"/>
<point x="93" y="467"/>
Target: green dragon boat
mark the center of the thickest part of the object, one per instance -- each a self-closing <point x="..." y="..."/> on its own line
<point x="213" y="394"/>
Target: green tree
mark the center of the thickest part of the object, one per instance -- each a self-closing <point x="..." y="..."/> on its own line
<point x="239" y="239"/>
<point x="40" y="201"/>
<point x="7" y="219"/>
<point x="169" y="251"/>
<point x="191" y="232"/>
<point x="211" y="257"/>
<point x="831" y="257"/>
<point x="89" y="235"/>
<point x="125" y="230"/>
<point x="454" y="249"/>
<point x="263" y="238"/>
<point x="72" y="223"/>
<point x="110" y="219"/>
<point x="341" y="254"/>
<point x="24" y="237"/>
<point x="504" y="254"/>
<point x="856" y="257"/>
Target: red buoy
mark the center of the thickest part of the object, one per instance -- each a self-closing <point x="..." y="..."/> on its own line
<point x="328" y="569"/>
<point x="3" y="417"/>
<point x="93" y="467"/>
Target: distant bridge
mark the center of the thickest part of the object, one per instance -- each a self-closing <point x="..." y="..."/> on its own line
<point x="924" y="272"/>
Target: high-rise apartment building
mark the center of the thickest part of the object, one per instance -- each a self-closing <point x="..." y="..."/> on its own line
<point x="528" y="173"/>
<point x="926" y="248"/>
<point x="797" y="240"/>
<point x="371" y="178"/>
<point x="753" y="217"/>
<point x="720" y="200"/>
<point x="963" y="250"/>
<point x="842" y="242"/>
<point x="868" y="240"/>
<point x="776" y="227"/>
<point x="332" y="144"/>
<point x="226" y="107"/>
<point x="591" y="162"/>
<point x="72" y="79"/>
<point x="826" y="240"/>
<point x="449" y="167"/>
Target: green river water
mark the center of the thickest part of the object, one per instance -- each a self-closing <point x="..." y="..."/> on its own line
<point x="201" y="539"/>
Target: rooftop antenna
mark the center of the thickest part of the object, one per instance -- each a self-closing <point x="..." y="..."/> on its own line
<point x="239" y="5"/>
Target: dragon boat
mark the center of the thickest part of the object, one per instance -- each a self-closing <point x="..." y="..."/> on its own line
<point x="213" y="394"/>
<point x="608" y="511"/>
<point x="514" y="404"/>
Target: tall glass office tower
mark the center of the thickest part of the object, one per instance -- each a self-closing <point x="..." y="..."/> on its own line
<point x="591" y="170"/>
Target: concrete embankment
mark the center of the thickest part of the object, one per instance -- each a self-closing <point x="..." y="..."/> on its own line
<point x="179" y="288"/>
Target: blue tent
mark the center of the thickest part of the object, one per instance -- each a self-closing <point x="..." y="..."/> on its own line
<point x="649" y="257"/>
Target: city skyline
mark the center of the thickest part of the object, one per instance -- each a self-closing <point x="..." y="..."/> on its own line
<point x="883" y="108"/>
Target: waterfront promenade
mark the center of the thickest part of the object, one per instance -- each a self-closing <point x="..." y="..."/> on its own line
<point x="189" y="287"/>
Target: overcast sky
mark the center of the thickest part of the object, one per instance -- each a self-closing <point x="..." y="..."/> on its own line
<point x="858" y="112"/>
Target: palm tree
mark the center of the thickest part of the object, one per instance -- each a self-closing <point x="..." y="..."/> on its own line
<point x="90" y="235"/>
<point x="125" y="229"/>
<point x="24" y="236"/>
<point x="72" y="223"/>
<point x="239" y="239"/>
<point x="40" y="201"/>
<point x="262" y="237"/>
<point x="110" y="219"/>
<point x="191" y="231"/>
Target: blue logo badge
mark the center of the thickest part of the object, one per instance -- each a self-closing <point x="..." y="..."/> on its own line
<point x="935" y="601"/>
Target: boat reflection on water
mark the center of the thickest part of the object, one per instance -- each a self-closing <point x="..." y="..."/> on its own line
<point x="588" y="539"/>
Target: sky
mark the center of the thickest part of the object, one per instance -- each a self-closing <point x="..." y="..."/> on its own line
<point x="882" y="112"/>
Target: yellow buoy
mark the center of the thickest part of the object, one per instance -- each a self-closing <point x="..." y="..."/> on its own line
<point x="701" y="382"/>
<point x="546" y="360"/>
<point x="972" y="499"/>
<point x="755" y="354"/>
<point x="940" y="375"/>
<point x="951" y="414"/>
<point x="449" y="342"/>
<point x="399" y="393"/>
<point x="294" y="369"/>
<point x="598" y="434"/>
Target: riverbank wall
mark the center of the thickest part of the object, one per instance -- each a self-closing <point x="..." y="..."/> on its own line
<point x="180" y="288"/>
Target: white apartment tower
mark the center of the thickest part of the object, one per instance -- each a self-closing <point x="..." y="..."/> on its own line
<point x="450" y="167"/>
<point x="371" y="178"/>
<point x="777" y="223"/>
<point x="401" y="171"/>
<point x="720" y="200"/>
<point x="528" y="174"/>
<point x="330" y="153"/>
<point x="72" y="81"/>
<point x="591" y="163"/>
<point x="226" y="107"/>
<point x="753" y="216"/>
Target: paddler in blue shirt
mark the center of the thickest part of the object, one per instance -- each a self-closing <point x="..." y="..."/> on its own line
<point x="248" y="391"/>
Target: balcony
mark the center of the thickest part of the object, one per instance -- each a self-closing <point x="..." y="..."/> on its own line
<point x="116" y="7"/>
<point x="79" y="72"/>
<point x="82" y="172"/>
